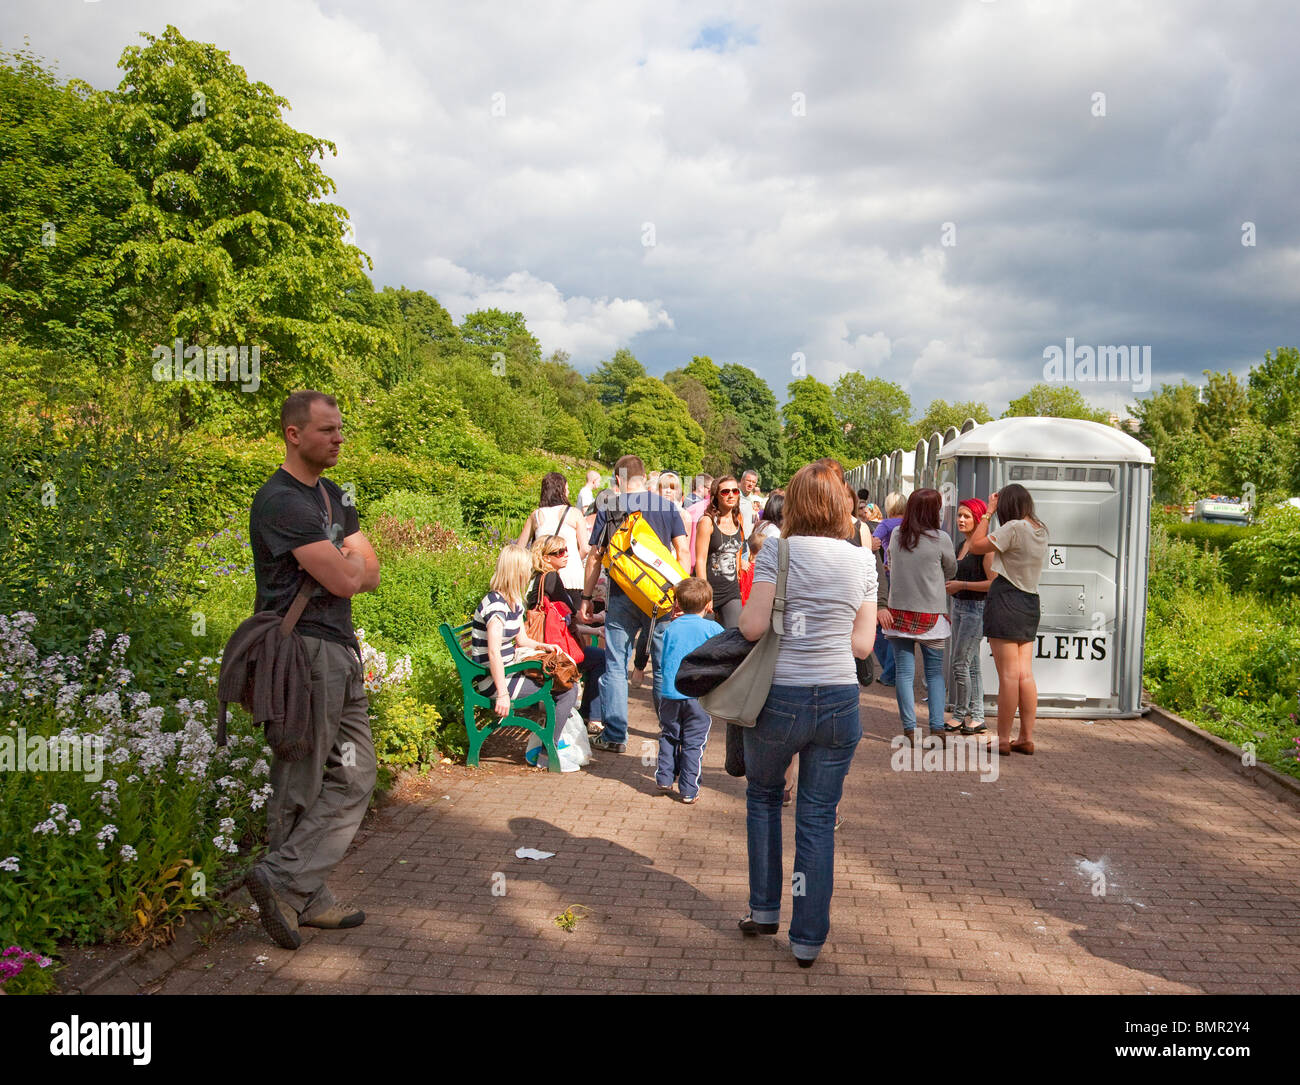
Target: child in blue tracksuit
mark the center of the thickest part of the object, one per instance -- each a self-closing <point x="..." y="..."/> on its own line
<point x="683" y="724"/>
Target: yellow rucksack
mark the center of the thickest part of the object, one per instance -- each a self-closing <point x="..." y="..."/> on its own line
<point x="639" y="563"/>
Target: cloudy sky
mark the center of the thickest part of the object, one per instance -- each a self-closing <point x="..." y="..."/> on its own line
<point x="934" y="191"/>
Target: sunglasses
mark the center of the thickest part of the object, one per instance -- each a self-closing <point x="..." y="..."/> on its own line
<point x="729" y="490"/>
<point x="558" y="553"/>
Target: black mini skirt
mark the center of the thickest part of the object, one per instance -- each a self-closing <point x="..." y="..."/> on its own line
<point x="1009" y="613"/>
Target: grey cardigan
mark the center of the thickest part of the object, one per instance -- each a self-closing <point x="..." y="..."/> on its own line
<point x="917" y="577"/>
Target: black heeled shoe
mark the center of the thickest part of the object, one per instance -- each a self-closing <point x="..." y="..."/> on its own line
<point x="749" y="928"/>
<point x="805" y="964"/>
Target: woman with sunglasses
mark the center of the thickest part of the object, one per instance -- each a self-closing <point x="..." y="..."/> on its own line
<point x="720" y="549"/>
<point x="550" y="558"/>
<point x="555" y="515"/>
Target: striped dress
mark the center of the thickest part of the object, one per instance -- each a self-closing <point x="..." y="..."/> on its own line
<point x="495" y="605"/>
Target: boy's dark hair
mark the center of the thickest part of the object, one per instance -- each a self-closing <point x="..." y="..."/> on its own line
<point x="694" y="595"/>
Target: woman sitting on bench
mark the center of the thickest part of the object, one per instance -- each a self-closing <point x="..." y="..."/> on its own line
<point x="498" y="627"/>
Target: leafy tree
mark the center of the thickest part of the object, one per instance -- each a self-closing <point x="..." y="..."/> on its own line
<point x="1166" y="425"/>
<point x="1223" y="406"/>
<point x="514" y="421"/>
<point x="66" y="208"/>
<point x="1275" y="387"/>
<point x="811" y="428"/>
<point x="1253" y="454"/>
<point x="233" y="241"/>
<point x="571" y="387"/>
<point x="721" y="429"/>
<point x="1053" y="401"/>
<point x="873" y="415"/>
<point x="654" y="424"/>
<point x="752" y="401"/>
<point x="940" y="415"/>
<point x="419" y="326"/>
<point x="613" y="378"/>
<point x="491" y="330"/>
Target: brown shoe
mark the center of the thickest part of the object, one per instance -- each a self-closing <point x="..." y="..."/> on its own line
<point x="335" y="918"/>
<point x="1022" y="746"/>
<point x="278" y="919"/>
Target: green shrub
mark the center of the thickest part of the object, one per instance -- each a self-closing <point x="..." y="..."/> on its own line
<point x="1217" y="645"/>
<point x="424" y="422"/>
<point x="1176" y="564"/>
<point x="405" y="731"/>
<point x="1214" y="536"/>
<point x="1268" y="559"/>
<point x="418" y="591"/>
<point x="88" y="529"/>
<point x="421" y="508"/>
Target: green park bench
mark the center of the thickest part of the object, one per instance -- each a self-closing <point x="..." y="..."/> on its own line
<point x="458" y="642"/>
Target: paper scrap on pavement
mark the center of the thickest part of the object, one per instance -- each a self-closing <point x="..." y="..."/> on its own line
<point x="532" y="853"/>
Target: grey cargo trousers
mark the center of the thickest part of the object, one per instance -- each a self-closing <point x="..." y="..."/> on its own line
<point x="318" y="802"/>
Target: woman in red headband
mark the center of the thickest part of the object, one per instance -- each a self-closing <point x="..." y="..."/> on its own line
<point x="968" y="589"/>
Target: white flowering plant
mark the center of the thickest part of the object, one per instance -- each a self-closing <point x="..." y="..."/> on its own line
<point x="150" y="802"/>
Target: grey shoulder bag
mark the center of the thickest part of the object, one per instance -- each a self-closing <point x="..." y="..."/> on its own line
<point x="741" y="697"/>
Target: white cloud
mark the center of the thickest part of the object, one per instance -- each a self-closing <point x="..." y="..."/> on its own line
<point x="589" y="329"/>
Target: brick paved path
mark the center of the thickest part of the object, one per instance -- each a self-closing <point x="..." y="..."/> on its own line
<point x="943" y="883"/>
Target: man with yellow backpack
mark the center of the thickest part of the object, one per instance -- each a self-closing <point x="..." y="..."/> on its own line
<point x="640" y="539"/>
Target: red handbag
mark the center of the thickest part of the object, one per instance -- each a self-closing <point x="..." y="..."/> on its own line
<point x="548" y="623"/>
<point x="746" y="580"/>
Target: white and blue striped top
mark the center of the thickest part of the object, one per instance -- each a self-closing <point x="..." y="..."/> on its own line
<point x="495" y="605"/>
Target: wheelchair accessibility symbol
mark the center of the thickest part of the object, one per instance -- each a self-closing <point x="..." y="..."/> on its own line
<point x="1056" y="557"/>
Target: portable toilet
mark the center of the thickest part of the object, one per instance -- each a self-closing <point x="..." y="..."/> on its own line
<point x="1091" y="486"/>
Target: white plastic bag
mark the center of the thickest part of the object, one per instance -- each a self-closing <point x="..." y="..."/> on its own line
<point x="571" y="745"/>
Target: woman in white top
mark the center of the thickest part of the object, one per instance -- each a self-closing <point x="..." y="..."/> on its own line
<point x="556" y="516"/>
<point x="1012" y="608"/>
<point x="812" y="705"/>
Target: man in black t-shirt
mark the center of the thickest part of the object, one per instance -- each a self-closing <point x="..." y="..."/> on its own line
<point x="317" y="803"/>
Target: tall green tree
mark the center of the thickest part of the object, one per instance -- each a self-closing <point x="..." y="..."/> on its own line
<point x="233" y="241"/>
<point x="66" y="207"/>
<point x="1053" y="401"/>
<point x="1167" y="426"/>
<point x="721" y="429"/>
<point x="873" y="414"/>
<point x="612" y="378"/>
<point x="654" y="424"/>
<point x="1275" y="387"/>
<point x="941" y="414"/>
<point x="490" y="331"/>
<point x="755" y="407"/>
<point x="811" y="428"/>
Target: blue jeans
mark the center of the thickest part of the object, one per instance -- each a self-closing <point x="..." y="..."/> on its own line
<point x="821" y="725"/>
<point x="967" y="675"/>
<point x="591" y="668"/>
<point x="885" y="653"/>
<point x="905" y="672"/>
<point x="622" y="620"/>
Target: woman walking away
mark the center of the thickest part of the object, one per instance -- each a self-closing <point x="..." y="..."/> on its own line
<point x="498" y="628"/>
<point x="719" y="550"/>
<point x="921" y="561"/>
<point x="968" y="588"/>
<point x="812" y="707"/>
<point x="556" y="516"/>
<point x="550" y="557"/>
<point x="1012" y="609"/>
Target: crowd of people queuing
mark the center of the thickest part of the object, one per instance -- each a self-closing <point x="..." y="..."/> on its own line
<point x="859" y="581"/>
<point x="898" y="588"/>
